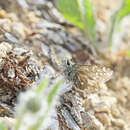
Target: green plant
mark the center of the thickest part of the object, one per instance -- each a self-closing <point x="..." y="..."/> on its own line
<point x="128" y="52"/>
<point x="3" y="125"/>
<point x="123" y="11"/>
<point x="35" y="107"/>
<point x="80" y="13"/>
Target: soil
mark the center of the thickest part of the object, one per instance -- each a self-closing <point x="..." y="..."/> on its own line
<point x="37" y="32"/>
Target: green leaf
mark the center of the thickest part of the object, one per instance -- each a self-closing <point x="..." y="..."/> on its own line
<point x="80" y="13"/>
<point x="53" y="92"/>
<point x="123" y="11"/>
<point x="42" y="86"/>
<point x="70" y="10"/>
<point x="3" y="125"/>
<point x="51" y="97"/>
<point x="128" y="53"/>
<point x="87" y="16"/>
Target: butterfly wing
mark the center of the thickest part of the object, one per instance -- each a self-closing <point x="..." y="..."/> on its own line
<point x="96" y="73"/>
<point x="92" y="75"/>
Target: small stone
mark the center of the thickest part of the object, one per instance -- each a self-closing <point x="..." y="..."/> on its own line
<point x="104" y="118"/>
<point x="5" y="24"/>
<point x="18" y="29"/>
<point x="2" y="13"/>
<point x="101" y="107"/>
<point x="4" y="48"/>
<point x="115" y="112"/>
<point x="118" y="122"/>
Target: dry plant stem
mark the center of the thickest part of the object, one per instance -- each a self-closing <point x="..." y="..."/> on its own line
<point x="18" y="72"/>
<point x="112" y="29"/>
<point x="82" y="13"/>
<point x="114" y="24"/>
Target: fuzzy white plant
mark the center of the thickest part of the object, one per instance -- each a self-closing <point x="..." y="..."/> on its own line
<point x="35" y="107"/>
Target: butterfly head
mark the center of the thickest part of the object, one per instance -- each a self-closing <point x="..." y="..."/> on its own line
<point x="69" y="69"/>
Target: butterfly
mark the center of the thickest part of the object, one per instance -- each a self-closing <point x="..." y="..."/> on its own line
<point x="86" y="76"/>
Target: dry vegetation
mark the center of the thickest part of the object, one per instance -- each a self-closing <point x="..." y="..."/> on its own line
<point x="41" y="29"/>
